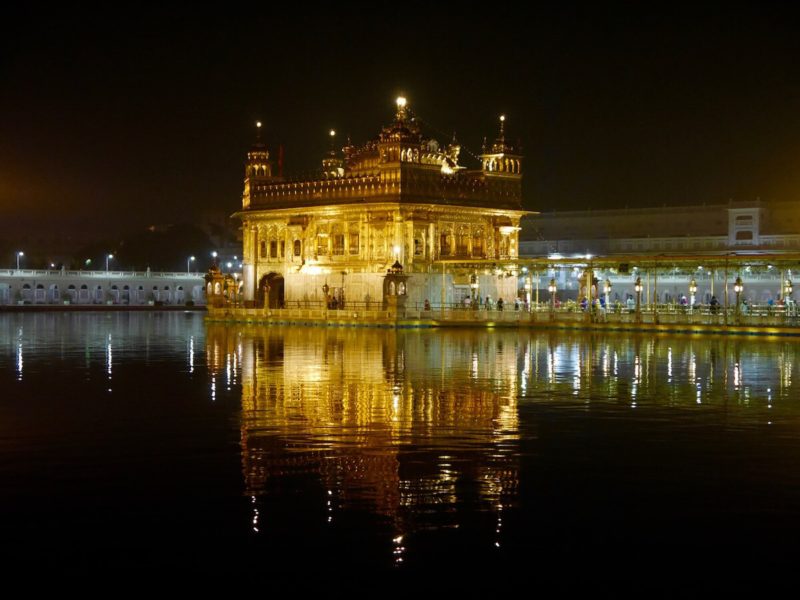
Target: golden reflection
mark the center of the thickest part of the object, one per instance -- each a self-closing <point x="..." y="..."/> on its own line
<point x="397" y="422"/>
<point x="387" y="420"/>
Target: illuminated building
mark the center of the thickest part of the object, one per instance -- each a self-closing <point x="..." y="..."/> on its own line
<point x="401" y="201"/>
<point x="697" y="229"/>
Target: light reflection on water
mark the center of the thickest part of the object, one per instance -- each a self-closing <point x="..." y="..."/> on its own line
<point x="428" y="428"/>
<point x="487" y="444"/>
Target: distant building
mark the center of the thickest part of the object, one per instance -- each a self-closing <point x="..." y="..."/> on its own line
<point x="773" y="226"/>
<point x="399" y="203"/>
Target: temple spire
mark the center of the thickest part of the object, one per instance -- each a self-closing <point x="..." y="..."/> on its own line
<point x="402" y="112"/>
<point x="332" y="166"/>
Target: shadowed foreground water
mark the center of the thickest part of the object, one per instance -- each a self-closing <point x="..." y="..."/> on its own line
<point x="133" y="442"/>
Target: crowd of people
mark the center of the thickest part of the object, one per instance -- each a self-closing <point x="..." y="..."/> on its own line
<point x="787" y="305"/>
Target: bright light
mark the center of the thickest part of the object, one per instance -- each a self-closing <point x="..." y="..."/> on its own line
<point x="110" y="256"/>
<point x="332" y="132"/>
<point x="230" y="264"/>
<point x="258" y="124"/>
<point x="502" y="118"/>
<point x="396" y="249"/>
<point x="191" y="258"/>
<point x="401" y="102"/>
<point x="20" y="254"/>
<point x="214" y="254"/>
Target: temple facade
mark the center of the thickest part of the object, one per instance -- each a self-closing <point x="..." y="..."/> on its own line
<point x="396" y="221"/>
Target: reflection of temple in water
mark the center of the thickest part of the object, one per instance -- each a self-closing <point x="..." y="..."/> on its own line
<point x="385" y="421"/>
<point x="420" y="428"/>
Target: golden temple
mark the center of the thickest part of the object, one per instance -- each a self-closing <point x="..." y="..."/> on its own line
<point x="376" y="227"/>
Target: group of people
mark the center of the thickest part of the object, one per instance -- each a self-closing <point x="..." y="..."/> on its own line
<point x="488" y="303"/>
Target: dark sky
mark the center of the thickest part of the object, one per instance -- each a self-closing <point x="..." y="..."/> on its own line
<point x="116" y="121"/>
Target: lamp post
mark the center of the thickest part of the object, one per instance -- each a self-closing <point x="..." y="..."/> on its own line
<point x="638" y="289"/>
<point x="325" y="290"/>
<point x="528" y="288"/>
<point x="607" y="291"/>
<point x="552" y="288"/>
<point x="108" y="258"/>
<point x="787" y="297"/>
<point x="738" y="287"/>
<point x="473" y="285"/>
<point x="19" y="254"/>
<point x="214" y="256"/>
<point x="189" y="261"/>
<point x="692" y="292"/>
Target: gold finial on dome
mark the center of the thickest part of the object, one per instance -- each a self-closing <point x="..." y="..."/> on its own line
<point x="402" y="103"/>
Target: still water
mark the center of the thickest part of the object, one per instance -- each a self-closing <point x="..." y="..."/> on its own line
<point x="136" y="441"/>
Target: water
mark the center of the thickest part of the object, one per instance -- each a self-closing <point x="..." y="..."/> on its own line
<point x="151" y="442"/>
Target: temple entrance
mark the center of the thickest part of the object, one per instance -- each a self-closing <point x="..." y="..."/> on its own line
<point x="270" y="291"/>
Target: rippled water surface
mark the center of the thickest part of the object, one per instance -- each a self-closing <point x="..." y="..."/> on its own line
<point x="141" y="441"/>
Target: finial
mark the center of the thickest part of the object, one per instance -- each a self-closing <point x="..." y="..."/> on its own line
<point x="483" y="146"/>
<point x="502" y="126"/>
<point x="401" y="102"/>
<point x="258" y="131"/>
<point x="455" y="141"/>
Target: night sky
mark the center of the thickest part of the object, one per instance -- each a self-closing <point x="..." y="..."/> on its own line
<point x="117" y="121"/>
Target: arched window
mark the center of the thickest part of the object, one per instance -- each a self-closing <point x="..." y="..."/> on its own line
<point x="338" y="243"/>
<point x="478" y="243"/>
<point x="462" y="242"/>
<point x="445" y="243"/>
<point x="298" y="247"/>
<point x="322" y="244"/>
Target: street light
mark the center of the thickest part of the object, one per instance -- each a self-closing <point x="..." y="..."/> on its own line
<point x="638" y="289"/>
<point x="188" y="262"/>
<point x="473" y="284"/>
<point x="108" y="258"/>
<point x="552" y="288"/>
<point x="528" y="288"/>
<point x="18" y="255"/>
<point x="214" y="255"/>
<point x="607" y="290"/>
<point x="738" y="287"/>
